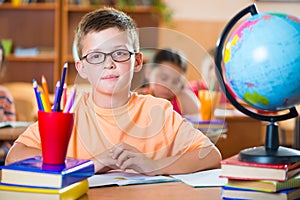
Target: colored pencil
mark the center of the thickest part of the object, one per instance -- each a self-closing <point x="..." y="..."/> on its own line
<point x="71" y="100"/>
<point x="64" y="95"/>
<point x="46" y="107"/>
<point x="60" y="91"/>
<point x="56" y="95"/>
<point x="37" y="95"/>
<point x="45" y="93"/>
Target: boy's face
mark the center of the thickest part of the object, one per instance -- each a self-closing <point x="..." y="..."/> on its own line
<point x="166" y="80"/>
<point x="109" y="76"/>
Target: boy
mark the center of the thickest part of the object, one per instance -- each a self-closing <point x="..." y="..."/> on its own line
<point x="115" y="128"/>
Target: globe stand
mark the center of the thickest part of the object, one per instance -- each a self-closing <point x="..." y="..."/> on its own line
<point x="271" y="152"/>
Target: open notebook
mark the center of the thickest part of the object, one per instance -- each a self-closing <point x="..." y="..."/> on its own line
<point x="125" y="178"/>
<point x="14" y="124"/>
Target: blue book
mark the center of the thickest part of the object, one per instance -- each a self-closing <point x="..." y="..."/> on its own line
<point x="215" y="125"/>
<point x="239" y="193"/>
<point x="32" y="172"/>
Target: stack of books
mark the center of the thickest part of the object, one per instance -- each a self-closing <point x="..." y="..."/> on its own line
<point x="260" y="181"/>
<point x="31" y="179"/>
<point x="213" y="129"/>
<point x="210" y="126"/>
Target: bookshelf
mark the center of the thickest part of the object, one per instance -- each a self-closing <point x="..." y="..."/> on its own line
<point x="49" y="26"/>
<point x="144" y="16"/>
<point x="32" y="25"/>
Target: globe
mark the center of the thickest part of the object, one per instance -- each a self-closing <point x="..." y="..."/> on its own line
<point x="258" y="61"/>
<point x="262" y="61"/>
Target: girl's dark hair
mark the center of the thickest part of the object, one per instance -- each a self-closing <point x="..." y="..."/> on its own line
<point x="2" y="63"/>
<point x="169" y="55"/>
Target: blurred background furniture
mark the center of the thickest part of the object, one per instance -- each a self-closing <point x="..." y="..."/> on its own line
<point x="296" y="143"/>
<point x="25" y="102"/>
<point x="289" y="131"/>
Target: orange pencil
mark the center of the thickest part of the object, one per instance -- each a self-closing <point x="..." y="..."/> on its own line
<point x="46" y="92"/>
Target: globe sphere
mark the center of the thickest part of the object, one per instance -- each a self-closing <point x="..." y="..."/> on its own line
<point x="262" y="61"/>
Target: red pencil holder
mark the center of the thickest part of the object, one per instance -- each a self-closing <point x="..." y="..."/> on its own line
<point x="55" y="131"/>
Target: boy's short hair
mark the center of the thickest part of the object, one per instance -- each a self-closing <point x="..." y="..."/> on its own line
<point x="102" y="19"/>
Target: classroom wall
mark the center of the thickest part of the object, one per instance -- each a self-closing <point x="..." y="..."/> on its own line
<point x="219" y="10"/>
<point x="204" y="20"/>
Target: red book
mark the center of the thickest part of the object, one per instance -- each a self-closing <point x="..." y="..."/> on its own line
<point x="232" y="168"/>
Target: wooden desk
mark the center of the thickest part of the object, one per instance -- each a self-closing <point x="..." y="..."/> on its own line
<point x="243" y="132"/>
<point x="11" y="133"/>
<point x="157" y="191"/>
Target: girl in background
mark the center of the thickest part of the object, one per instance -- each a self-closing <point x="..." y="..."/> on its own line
<point x="7" y="108"/>
<point x="167" y="80"/>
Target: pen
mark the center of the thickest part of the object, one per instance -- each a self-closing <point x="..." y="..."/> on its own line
<point x="37" y="95"/>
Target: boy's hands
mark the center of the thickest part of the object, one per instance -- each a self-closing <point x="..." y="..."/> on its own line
<point x="128" y="157"/>
<point x="104" y="162"/>
<point x="123" y="156"/>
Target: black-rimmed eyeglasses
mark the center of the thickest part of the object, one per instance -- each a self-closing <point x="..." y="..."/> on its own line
<point x="98" y="57"/>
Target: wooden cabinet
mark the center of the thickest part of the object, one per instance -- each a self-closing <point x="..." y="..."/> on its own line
<point x="144" y="16"/>
<point x="34" y="25"/>
<point x="243" y="132"/>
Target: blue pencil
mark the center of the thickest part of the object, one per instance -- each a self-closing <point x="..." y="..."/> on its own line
<point x="57" y="105"/>
<point x="37" y="95"/>
<point x="56" y="95"/>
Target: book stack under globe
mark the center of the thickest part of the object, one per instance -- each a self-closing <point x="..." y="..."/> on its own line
<point x="258" y="181"/>
<point x="31" y="179"/>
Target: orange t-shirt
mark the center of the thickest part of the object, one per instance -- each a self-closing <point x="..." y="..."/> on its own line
<point x="145" y="122"/>
<point x="175" y="102"/>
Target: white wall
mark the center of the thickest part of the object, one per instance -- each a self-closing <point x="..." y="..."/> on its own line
<point x="203" y="21"/>
<point x="223" y="10"/>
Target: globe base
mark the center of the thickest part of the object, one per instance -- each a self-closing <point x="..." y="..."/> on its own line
<point x="267" y="156"/>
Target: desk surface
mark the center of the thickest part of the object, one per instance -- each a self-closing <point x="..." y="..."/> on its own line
<point x="164" y="191"/>
<point x="11" y="133"/>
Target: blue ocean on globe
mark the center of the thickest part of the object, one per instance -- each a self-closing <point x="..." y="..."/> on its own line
<point x="262" y="61"/>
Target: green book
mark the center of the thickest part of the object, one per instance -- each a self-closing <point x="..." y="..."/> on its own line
<point x="265" y="185"/>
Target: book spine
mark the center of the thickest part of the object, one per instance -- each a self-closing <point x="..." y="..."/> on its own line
<point x="252" y="178"/>
<point x="76" y="192"/>
<point x="258" y="165"/>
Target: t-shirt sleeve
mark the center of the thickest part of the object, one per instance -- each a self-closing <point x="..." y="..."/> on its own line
<point x="186" y="138"/>
<point x="30" y="137"/>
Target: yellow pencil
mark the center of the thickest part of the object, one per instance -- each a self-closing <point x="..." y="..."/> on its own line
<point x="46" y="93"/>
<point x="46" y="107"/>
